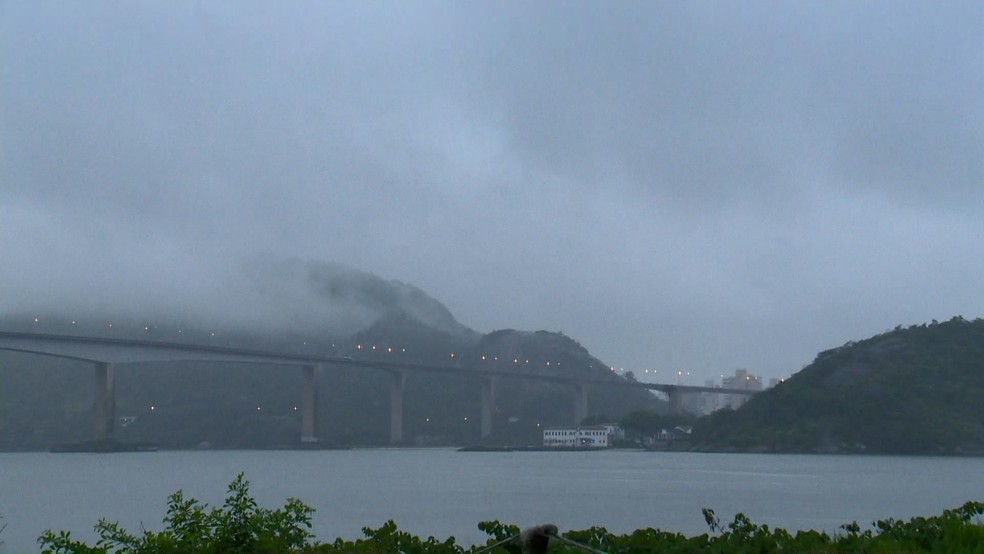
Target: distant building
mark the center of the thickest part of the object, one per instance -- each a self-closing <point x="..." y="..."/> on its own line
<point x="615" y="433"/>
<point x="593" y="437"/>
<point x="666" y="436"/>
<point x="742" y="380"/>
<point x="709" y="402"/>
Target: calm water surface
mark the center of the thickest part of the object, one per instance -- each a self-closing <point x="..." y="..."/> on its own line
<point x="442" y="492"/>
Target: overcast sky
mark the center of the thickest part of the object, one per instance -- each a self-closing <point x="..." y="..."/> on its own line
<point x="678" y="185"/>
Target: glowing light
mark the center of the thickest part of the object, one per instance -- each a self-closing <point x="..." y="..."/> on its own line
<point x="295" y="408"/>
<point x="452" y="354"/>
<point x="358" y="347"/>
<point x="483" y="357"/>
<point x="258" y="408"/>
<point x="152" y="407"/>
<point x="389" y="349"/>
<point x="466" y="418"/>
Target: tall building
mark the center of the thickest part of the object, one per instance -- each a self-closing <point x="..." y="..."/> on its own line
<point x="707" y="402"/>
<point x="742" y="380"/>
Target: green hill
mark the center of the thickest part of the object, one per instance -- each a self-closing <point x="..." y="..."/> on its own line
<point x="915" y="390"/>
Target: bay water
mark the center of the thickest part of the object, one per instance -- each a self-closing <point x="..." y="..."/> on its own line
<point x="443" y="492"/>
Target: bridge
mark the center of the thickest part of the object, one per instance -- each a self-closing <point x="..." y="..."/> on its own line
<point x="105" y="352"/>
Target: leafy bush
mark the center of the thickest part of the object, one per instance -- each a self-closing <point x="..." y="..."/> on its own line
<point x="239" y="527"/>
<point x="242" y="527"/>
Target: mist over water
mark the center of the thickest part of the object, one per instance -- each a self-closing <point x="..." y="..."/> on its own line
<point x="444" y="493"/>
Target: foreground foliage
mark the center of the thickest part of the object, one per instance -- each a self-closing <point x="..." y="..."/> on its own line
<point x="240" y="526"/>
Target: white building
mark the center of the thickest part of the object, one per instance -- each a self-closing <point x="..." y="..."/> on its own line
<point x="667" y="436"/>
<point x="569" y="437"/>
<point x="614" y="432"/>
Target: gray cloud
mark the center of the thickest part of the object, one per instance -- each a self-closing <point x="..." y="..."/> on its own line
<point x="699" y="186"/>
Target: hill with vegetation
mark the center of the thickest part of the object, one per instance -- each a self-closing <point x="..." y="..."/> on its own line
<point x="46" y="401"/>
<point x="915" y="390"/>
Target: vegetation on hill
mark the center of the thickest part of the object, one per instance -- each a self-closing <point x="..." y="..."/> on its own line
<point x="643" y="423"/>
<point x="242" y="526"/>
<point x="910" y="390"/>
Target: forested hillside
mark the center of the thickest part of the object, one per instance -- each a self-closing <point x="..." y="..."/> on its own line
<point x="910" y="390"/>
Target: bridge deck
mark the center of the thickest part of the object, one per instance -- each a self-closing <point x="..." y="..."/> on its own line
<point x="119" y="351"/>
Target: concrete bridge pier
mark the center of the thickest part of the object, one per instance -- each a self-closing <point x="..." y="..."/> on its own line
<point x="675" y="397"/>
<point x="104" y="403"/>
<point x="397" y="385"/>
<point x="488" y="405"/>
<point x="309" y="403"/>
<point x="580" y="403"/>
